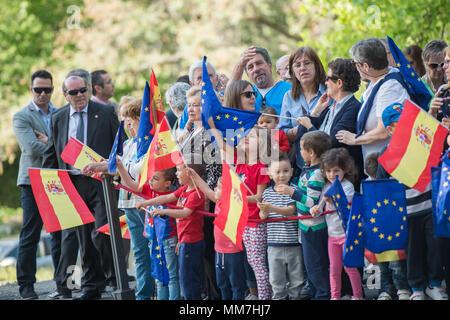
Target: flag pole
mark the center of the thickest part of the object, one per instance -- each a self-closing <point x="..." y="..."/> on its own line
<point x="278" y="116"/>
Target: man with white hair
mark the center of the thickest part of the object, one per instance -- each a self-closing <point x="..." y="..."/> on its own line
<point x="282" y="68"/>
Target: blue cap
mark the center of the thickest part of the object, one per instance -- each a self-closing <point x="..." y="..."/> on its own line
<point x="391" y="113"/>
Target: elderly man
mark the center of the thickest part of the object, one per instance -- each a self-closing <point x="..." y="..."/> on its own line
<point x="258" y="66"/>
<point x="433" y="59"/>
<point x="282" y="68"/>
<point x="95" y="125"/>
<point x="103" y="89"/>
<point x="31" y="127"/>
<point x="176" y="99"/>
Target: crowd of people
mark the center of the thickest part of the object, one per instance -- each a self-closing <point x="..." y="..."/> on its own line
<point x="320" y="131"/>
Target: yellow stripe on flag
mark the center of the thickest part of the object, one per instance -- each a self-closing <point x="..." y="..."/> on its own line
<point x="144" y="170"/>
<point x="416" y="156"/>
<point x="86" y="156"/>
<point x="165" y="144"/>
<point x="62" y="205"/>
<point x="236" y="206"/>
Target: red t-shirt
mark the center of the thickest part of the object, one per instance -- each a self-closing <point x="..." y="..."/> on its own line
<point x="252" y="175"/>
<point x="222" y="244"/>
<point x="190" y="229"/>
<point x="282" y="140"/>
<point x="148" y="191"/>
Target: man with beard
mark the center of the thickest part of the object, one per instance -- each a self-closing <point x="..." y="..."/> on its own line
<point x="258" y="66"/>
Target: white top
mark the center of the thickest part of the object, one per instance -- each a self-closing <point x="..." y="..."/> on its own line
<point x="390" y="92"/>
<point x="334" y="224"/>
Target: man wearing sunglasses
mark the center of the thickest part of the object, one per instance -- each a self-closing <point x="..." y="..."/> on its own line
<point x="96" y="126"/>
<point x="31" y="127"/>
<point x="433" y="58"/>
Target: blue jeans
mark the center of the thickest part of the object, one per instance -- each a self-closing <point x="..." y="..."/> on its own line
<point x="315" y="256"/>
<point x="29" y="237"/>
<point x="190" y="259"/>
<point x="171" y="291"/>
<point x="230" y="275"/>
<point x="145" y="283"/>
<point x="393" y="276"/>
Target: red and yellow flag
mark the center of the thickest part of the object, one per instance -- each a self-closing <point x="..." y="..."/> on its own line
<point x="415" y="147"/>
<point x="155" y="93"/>
<point x="233" y="214"/>
<point x="385" y="256"/>
<point x="78" y="154"/>
<point x="162" y="154"/>
<point x="59" y="203"/>
<point x="123" y="228"/>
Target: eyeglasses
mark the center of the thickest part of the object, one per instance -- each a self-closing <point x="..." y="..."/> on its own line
<point x="76" y="91"/>
<point x="248" y="94"/>
<point x="332" y="78"/>
<point x="435" y="65"/>
<point x="39" y="90"/>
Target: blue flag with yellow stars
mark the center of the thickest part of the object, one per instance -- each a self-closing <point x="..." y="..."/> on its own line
<point x="440" y="191"/>
<point x="385" y="221"/>
<point x="117" y="149"/>
<point x="417" y="89"/>
<point x="233" y="124"/>
<point x="337" y="195"/>
<point x="158" y="259"/>
<point x="354" y="242"/>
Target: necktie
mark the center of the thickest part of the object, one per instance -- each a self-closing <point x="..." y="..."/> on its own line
<point x="80" y="128"/>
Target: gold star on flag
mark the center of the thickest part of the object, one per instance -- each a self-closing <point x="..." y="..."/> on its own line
<point x="360" y="225"/>
<point x="349" y="207"/>
<point x="146" y="137"/>
<point x="146" y="108"/>
<point x="239" y="135"/>
<point x="356" y="241"/>
<point x="218" y="118"/>
<point x="375" y="229"/>
<point x="386" y="201"/>
<point x="381" y="236"/>
<point x="203" y="101"/>
<point x="374" y="211"/>
<point x="445" y="184"/>
<point x="394" y="203"/>
<point x="389" y="238"/>
<point x="338" y="196"/>
<point x="235" y="118"/>
<point x="227" y="115"/>
<point x="203" y="84"/>
<point x="351" y="248"/>
<point x="378" y="204"/>
<point x="204" y="92"/>
<point x="397" y="234"/>
<point x="372" y="220"/>
<point x="400" y="209"/>
<point x="360" y="233"/>
<point x="353" y="217"/>
<point x="240" y="122"/>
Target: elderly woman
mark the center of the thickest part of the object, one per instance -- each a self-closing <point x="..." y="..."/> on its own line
<point x="308" y="85"/>
<point x="433" y="56"/>
<point x="385" y="88"/>
<point x="176" y="98"/>
<point x="343" y="81"/>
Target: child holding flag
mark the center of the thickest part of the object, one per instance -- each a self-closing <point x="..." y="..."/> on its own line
<point x="283" y="249"/>
<point x="189" y="227"/>
<point x="423" y="267"/>
<point x="338" y="162"/>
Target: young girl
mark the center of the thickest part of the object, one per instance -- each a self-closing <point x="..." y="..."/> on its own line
<point x="253" y="172"/>
<point x="271" y="122"/>
<point x="338" y="162"/>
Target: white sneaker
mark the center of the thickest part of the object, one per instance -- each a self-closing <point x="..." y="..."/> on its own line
<point x="436" y="293"/>
<point x="403" y="294"/>
<point x="384" y="296"/>
<point x="417" y="295"/>
<point x="356" y="298"/>
<point x="251" y="297"/>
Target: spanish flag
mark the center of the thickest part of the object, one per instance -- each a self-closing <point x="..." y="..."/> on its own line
<point x="78" y="154"/>
<point x="162" y="154"/>
<point x="415" y="147"/>
<point x="233" y="214"/>
<point x="155" y="93"/>
<point x="59" y="203"/>
<point x="123" y="228"/>
<point x="385" y="256"/>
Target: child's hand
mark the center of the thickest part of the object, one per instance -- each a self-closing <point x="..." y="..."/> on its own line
<point x="284" y="189"/>
<point x="157" y="212"/>
<point x="315" y="211"/>
<point x="119" y="164"/>
<point x="191" y="173"/>
<point x="264" y="206"/>
<point x="327" y="199"/>
<point x="140" y="205"/>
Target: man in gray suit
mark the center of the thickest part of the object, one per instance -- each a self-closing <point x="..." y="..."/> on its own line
<point x="31" y="127"/>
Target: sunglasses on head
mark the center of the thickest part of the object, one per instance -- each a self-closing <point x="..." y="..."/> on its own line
<point x="39" y="90"/>
<point x="248" y="94"/>
<point x="76" y="91"/>
<point x="435" y="65"/>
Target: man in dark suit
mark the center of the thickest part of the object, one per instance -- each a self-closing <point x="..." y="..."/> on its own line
<point x="96" y="126"/>
<point x="31" y="127"/>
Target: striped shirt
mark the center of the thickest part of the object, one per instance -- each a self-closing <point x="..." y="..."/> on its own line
<point x="307" y="195"/>
<point x="280" y="233"/>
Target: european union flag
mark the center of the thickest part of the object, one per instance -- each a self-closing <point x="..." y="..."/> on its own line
<point x="440" y="191"/>
<point x="385" y="222"/>
<point x="158" y="259"/>
<point x="337" y="195"/>
<point x="146" y="130"/>
<point x="233" y="124"/>
<point x="354" y="241"/>
<point x="117" y="149"/>
<point x="417" y="89"/>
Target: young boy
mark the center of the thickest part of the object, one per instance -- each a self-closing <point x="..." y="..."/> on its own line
<point x="189" y="228"/>
<point x="271" y="122"/>
<point x="159" y="184"/>
<point x="314" y="234"/>
<point x="283" y="249"/>
<point x="371" y="165"/>
<point x="423" y="267"/>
